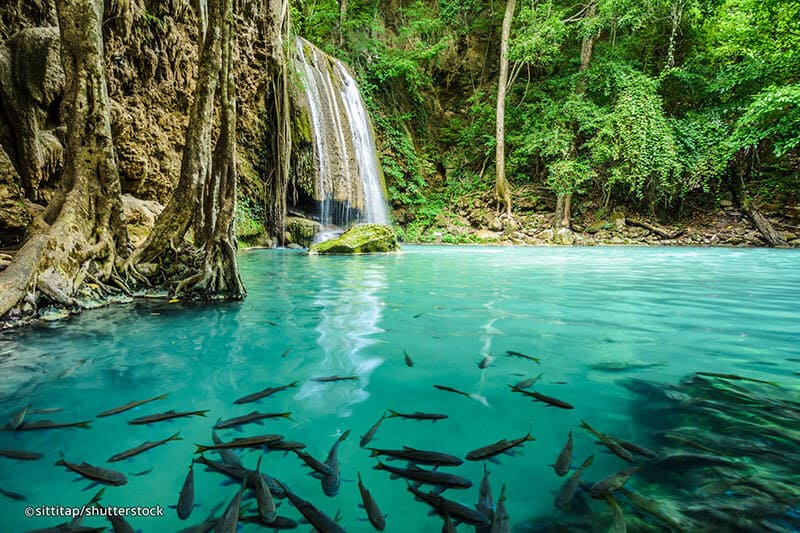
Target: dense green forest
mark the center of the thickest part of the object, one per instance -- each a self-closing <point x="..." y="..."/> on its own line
<point x="649" y="104"/>
<point x="543" y="122"/>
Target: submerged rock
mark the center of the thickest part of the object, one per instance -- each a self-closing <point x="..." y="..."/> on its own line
<point x="363" y="239"/>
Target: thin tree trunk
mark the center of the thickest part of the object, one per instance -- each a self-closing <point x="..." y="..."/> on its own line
<point x="502" y="189"/>
<point x="563" y="214"/>
<point x="81" y="233"/>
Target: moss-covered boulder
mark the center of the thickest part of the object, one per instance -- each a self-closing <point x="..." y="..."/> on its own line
<point x="301" y="230"/>
<point x="363" y="239"/>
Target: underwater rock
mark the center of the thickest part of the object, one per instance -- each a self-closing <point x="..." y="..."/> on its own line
<point x="363" y="239"/>
<point x="301" y="230"/>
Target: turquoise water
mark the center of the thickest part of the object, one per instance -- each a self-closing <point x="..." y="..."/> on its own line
<point x="717" y="310"/>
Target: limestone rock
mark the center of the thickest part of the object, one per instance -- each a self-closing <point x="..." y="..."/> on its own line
<point x="547" y="235"/>
<point x="294" y="246"/>
<point x="363" y="239"/>
<point x="564" y="236"/>
<point x="301" y="230"/>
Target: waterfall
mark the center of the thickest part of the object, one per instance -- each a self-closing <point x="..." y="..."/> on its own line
<point x="348" y="181"/>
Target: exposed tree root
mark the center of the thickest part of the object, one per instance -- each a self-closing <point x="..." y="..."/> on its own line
<point x="661" y="232"/>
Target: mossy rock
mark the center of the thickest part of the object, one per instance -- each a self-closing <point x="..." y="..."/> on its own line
<point x="363" y="239"/>
<point x="301" y="230"/>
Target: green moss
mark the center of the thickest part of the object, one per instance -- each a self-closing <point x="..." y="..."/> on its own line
<point x="363" y="239"/>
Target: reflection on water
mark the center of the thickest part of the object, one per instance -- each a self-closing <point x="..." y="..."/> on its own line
<point x="349" y="299"/>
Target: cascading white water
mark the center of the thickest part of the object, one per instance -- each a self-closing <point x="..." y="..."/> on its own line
<point x="348" y="183"/>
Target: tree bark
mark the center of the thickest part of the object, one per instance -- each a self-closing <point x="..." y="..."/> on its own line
<point x="186" y="208"/>
<point x="81" y="233"/>
<point x="502" y="189"/>
<point x="563" y="214"/>
<point x="279" y="144"/>
<point x="739" y="172"/>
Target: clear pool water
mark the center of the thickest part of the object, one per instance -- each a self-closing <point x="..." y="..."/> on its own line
<point x="718" y="310"/>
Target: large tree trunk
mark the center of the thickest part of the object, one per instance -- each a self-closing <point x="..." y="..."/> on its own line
<point x="219" y="273"/>
<point x="279" y="144"/>
<point x="502" y="189"/>
<point x="185" y="208"/>
<point x="563" y="214"/>
<point x="205" y="199"/>
<point x="81" y="233"/>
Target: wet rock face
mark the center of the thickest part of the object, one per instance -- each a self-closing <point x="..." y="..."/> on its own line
<point x="364" y="239"/>
<point x="301" y="230"/>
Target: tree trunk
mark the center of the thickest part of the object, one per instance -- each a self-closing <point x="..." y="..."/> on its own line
<point x="563" y="214"/>
<point x="279" y="144"/>
<point x="502" y="189"/>
<point x="739" y="172"/>
<point x="219" y="273"/>
<point x="186" y="206"/>
<point x="81" y="233"/>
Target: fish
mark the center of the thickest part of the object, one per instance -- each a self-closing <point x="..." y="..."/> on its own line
<point x="374" y="514"/>
<point x="186" y="496"/>
<point x="417" y="415"/>
<point x="49" y="424"/>
<point x="635" y="449"/>
<point x="734" y="377"/>
<point x="501" y="446"/>
<point x="18" y="418"/>
<point x="653" y="508"/>
<point x="258" y="441"/>
<point x="285" y="446"/>
<point x="13" y="495"/>
<point x="426" y="477"/>
<point x="618" y="525"/>
<point x="280" y="522"/>
<point x="330" y="379"/>
<point x="448" y="526"/>
<point x="74" y="525"/>
<point x="623" y="366"/>
<point x="240" y="474"/>
<point x="409" y="362"/>
<point x="455" y="510"/>
<point x="367" y="437"/>
<point x="501" y="522"/>
<point x="169" y="415"/>
<point x="286" y="352"/>
<point x="527" y="383"/>
<point x="95" y="473"/>
<point x="570" y="486"/>
<point x="512" y="353"/>
<point x="264" y="499"/>
<point x="476" y="397"/>
<point x="130" y="405"/>
<point x="564" y="458"/>
<point x="485" y="503"/>
<point x="422" y="457"/>
<point x="485" y="362"/>
<point x="230" y="518"/>
<point x="269" y="391"/>
<point x="141" y="473"/>
<point x="538" y="396"/>
<point x="315" y="464"/>
<point x="147" y="445"/>
<point x="226" y="454"/>
<point x="611" y="483"/>
<point x="21" y="455"/>
<point x="315" y="517"/>
<point x="610" y="443"/>
<point x="251" y="418"/>
<point x="331" y="482"/>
